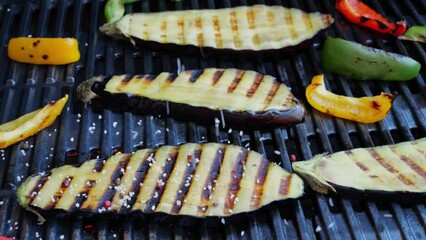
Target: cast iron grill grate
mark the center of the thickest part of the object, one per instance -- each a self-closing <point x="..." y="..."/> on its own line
<point x="24" y="88"/>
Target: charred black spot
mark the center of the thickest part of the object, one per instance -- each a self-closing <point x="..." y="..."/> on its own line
<point x="45" y="57"/>
<point x="217" y="75"/>
<point x="381" y="25"/>
<point x="363" y="19"/>
<point x="31" y="56"/>
<point x="22" y="48"/>
<point x="171" y="77"/>
<point x="375" y="105"/>
<point x="35" y="44"/>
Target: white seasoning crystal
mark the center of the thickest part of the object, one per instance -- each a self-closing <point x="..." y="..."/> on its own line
<point x="61" y="237"/>
<point x="388" y="215"/>
<point x="100" y="117"/>
<point x="114" y="124"/>
<point x="1" y="203"/>
<point x="242" y="233"/>
<point x="230" y="131"/>
<point x="222" y="220"/>
<point x="72" y="139"/>
<point x="277" y="152"/>
<point x="318" y="228"/>
<point x="330" y="201"/>
<point x="241" y="133"/>
<point x="330" y="225"/>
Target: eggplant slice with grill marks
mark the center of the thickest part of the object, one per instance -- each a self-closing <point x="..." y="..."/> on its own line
<point x="241" y="98"/>
<point x="384" y="170"/>
<point x="244" y="28"/>
<point x="196" y="180"/>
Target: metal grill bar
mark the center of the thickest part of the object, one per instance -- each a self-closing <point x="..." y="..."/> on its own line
<point x="75" y="138"/>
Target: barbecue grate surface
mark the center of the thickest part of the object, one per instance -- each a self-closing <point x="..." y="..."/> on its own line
<point x="75" y="138"/>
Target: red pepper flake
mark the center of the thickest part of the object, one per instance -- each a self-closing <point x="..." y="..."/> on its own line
<point x="66" y="183"/>
<point x="107" y="204"/>
<point x="189" y="158"/>
<point x="293" y="157"/>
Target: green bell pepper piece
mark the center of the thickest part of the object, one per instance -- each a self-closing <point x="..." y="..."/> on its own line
<point x="365" y="63"/>
<point x="415" y="33"/>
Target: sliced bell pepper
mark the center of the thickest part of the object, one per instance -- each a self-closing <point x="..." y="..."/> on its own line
<point x="30" y="123"/>
<point x="51" y="51"/>
<point x="364" y="109"/>
<point x="361" y="14"/>
<point x="415" y="33"/>
<point x="365" y="63"/>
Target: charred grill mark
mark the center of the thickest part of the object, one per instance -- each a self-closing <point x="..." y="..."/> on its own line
<point x="195" y="74"/>
<point x="239" y="74"/>
<point x="211" y="180"/>
<point x="149" y="77"/>
<point x="99" y="165"/>
<point x="181" y="27"/>
<point x="363" y="19"/>
<point x="115" y="181"/>
<point x="217" y="35"/>
<point x="289" y="21"/>
<point x="271" y="18"/>
<point x="381" y="25"/>
<point x="171" y="77"/>
<point x="186" y="180"/>
<point x="161" y="182"/>
<point x="256" y="39"/>
<point x="272" y="92"/>
<point x="200" y="40"/>
<point x="198" y="23"/>
<point x="138" y="181"/>
<point x="258" y="185"/>
<point x="234" y="28"/>
<point x="413" y="165"/>
<point x="362" y="166"/>
<point x="348" y="152"/>
<point x="78" y="201"/>
<point x="217" y="75"/>
<point x="308" y="21"/>
<point x="234" y="185"/>
<point x="40" y="183"/>
<point x="284" y="185"/>
<point x="255" y="85"/>
<point x="250" y="19"/>
<point x="389" y="167"/>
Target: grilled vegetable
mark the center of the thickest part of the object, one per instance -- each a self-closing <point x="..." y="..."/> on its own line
<point x="246" y="98"/>
<point x="365" y="109"/>
<point x="31" y="123"/>
<point x="415" y="33"/>
<point x="255" y="28"/>
<point x="392" y="168"/>
<point x="114" y="10"/>
<point x="191" y="179"/>
<point x="364" y="63"/>
<point x="361" y="14"/>
<point x="53" y="51"/>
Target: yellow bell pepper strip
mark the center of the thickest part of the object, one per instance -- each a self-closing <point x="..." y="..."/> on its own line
<point x="364" y="109"/>
<point x="30" y="123"/>
<point x="50" y="51"/>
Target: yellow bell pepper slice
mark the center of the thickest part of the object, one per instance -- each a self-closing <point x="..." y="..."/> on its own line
<point x="51" y="51"/>
<point x="364" y="109"/>
<point x="30" y="123"/>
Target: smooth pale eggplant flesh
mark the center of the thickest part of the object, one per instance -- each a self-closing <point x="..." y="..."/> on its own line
<point x="197" y="180"/>
<point x="244" y="28"/>
<point x="241" y="98"/>
<point x="389" y="169"/>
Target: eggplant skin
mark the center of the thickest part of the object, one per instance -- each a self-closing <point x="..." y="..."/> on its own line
<point x="197" y="180"/>
<point x="243" y="28"/>
<point x="95" y="92"/>
<point x="389" y="170"/>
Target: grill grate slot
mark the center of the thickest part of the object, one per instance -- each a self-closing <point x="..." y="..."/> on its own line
<point x="73" y="138"/>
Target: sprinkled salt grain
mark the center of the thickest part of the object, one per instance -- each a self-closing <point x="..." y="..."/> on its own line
<point x="105" y="131"/>
<point x="86" y="44"/>
<point x="61" y="237"/>
<point x="242" y="233"/>
<point x="27" y="164"/>
<point x="388" y="215"/>
<point x="158" y="131"/>
<point x="100" y="117"/>
<point x="1" y="203"/>
<point x="18" y="178"/>
<point x="72" y="139"/>
<point x="318" y="228"/>
<point x="330" y="225"/>
<point x="117" y="133"/>
<point x="114" y="235"/>
<point x="9" y="11"/>
<point x="178" y="202"/>
<point x="23" y="152"/>
<point x="153" y="208"/>
<point x="29" y="35"/>
<point x="285" y="222"/>
<point x="241" y="133"/>
<point x="77" y="205"/>
<point x="79" y="115"/>
<point x="114" y="124"/>
<point x="222" y="220"/>
<point x="247" y="145"/>
<point x="277" y="152"/>
<point x="37" y="234"/>
<point x="230" y="131"/>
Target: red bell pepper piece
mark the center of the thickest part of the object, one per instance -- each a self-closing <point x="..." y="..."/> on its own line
<point x="359" y="13"/>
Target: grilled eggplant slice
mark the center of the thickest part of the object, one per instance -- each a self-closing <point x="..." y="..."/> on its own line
<point x="252" y="28"/>
<point x="197" y="180"/>
<point x="398" y="168"/>
<point x="246" y="98"/>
